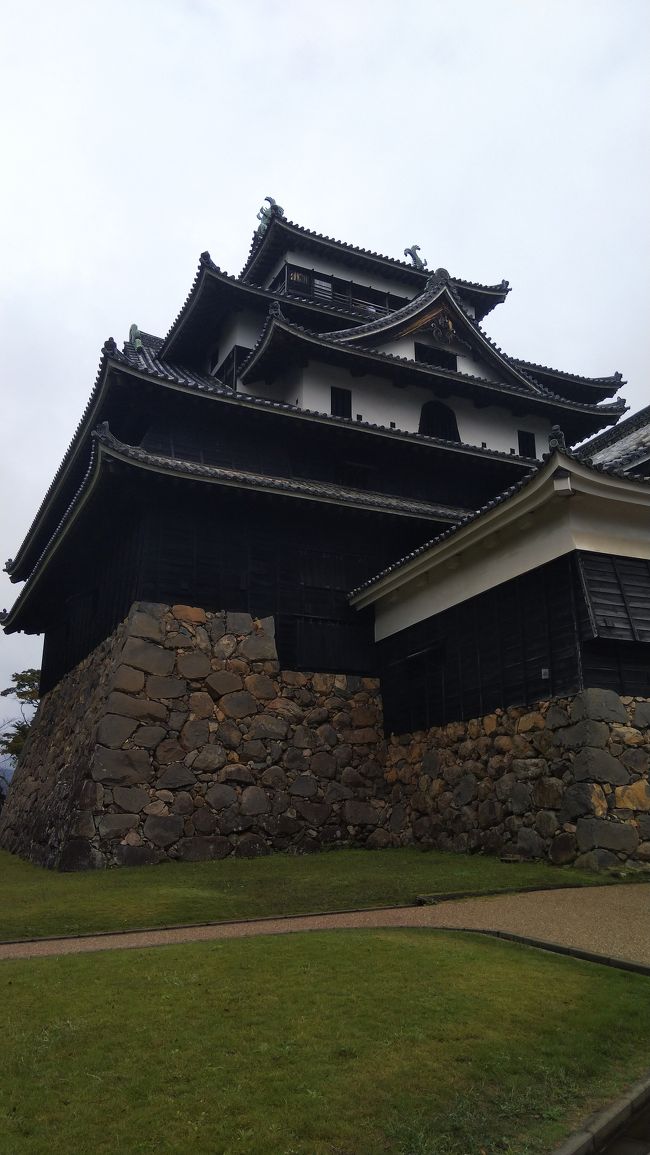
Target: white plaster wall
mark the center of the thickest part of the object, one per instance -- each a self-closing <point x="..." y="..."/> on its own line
<point x="288" y="388"/>
<point x="497" y="427"/>
<point x="375" y="398"/>
<point x="242" y="328"/>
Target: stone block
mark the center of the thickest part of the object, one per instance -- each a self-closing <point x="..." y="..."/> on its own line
<point x="531" y="721"/>
<point x="529" y="843"/>
<point x="144" y="625"/>
<point x="78" y="854"/>
<point x="251" y="846"/>
<point x="642" y="715"/>
<point x="268" y="726"/>
<point x="183" y="803"/>
<point x="220" y="796"/>
<point x="130" y="798"/>
<point x="121" y="767"/>
<point x="163" y="831"/>
<point x="337" y="792"/>
<point x="126" y="855"/>
<point x="546" y="823"/>
<point x="585" y="733"/>
<point x="148" y="656"/>
<point x="315" y="813"/>
<point x="596" y="765"/>
<point x="563" y="849"/>
<point x="634" y="797"/>
<point x="323" y="765"/>
<point x="304" y="785"/>
<point x="165" y="687"/>
<point x="140" y="708"/>
<point x="261" y="686"/>
<point x="175" y="777"/>
<point x="466" y="790"/>
<point x="235" y="772"/>
<point x="258" y="648"/>
<point x="92" y="796"/>
<point x="643" y="823"/>
<point x="556" y="718"/>
<point x="254" y="800"/>
<point x="128" y="679"/>
<point x="609" y="835"/>
<point x="195" y="734"/>
<point x="582" y="798"/>
<point x="596" y="860"/>
<point x="210" y="758"/>
<point x="201" y="849"/>
<point x="240" y="704"/>
<point x="205" y="821"/>
<point x="599" y="705"/>
<point x="274" y="778"/>
<point x="113" y="730"/>
<point x="239" y="623"/>
<point x="304" y="738"/>
<point x="643" y="852"/>
<point x="201" y="704"/>
<point x="115" y="825"/>
<point x="169" y="750"/>
<point x="359" y="813"/>
<point x="193" y="665"/>
<point x="84" y="825"/>
<point x="489" y="813"/>
<point x="379" y="840"/>
<point x="254" y="751"/>
<point x="193" y="614"/>
<point x="149" y="736"/>
<point x="548" y="792"/>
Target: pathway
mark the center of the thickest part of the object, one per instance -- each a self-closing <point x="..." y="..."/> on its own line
<point x="612" y="921"/>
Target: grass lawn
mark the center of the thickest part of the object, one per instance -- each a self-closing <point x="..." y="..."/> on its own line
<point x="404" y="1042"/>
<point x="37" y="902"/>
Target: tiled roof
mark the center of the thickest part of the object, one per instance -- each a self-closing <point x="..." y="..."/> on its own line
<point x="636" y="421"/>
<point x="300" y="487"/>
<point x="530" y="390"/>
<point x="242" y="479"/>
<point x="612" y="379"/>
<point x="145" y="362"/>
<point x="557" y="446"/>
<point x="257" y="242"/>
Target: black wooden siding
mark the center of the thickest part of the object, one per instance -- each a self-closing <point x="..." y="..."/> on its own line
<point x="154" y="539"/>
<point x="584" y="618"/>
<point x="489" y="651"/>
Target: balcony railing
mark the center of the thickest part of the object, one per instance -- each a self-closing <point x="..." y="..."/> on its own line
<point x="310" y="284"/>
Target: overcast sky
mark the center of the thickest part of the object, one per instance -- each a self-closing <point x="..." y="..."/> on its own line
<point x="508" y="138"/>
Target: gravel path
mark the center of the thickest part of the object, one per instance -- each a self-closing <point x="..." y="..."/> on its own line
<point x="612" y="921"/>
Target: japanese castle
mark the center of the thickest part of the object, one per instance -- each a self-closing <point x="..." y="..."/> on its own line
<point x="332" y="439"/>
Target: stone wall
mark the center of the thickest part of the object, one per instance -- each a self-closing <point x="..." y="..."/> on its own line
<point x="181" y="738"/>
<point x="567" y="781"/>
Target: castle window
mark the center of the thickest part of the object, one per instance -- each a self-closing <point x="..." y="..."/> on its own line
<point x="527" y="446"/>
<point x="341" y="405"/>
<point x="440" y="358"/>
<point x="438" y="420"/>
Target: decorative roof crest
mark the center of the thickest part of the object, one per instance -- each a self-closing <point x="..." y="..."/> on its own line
<point x="418" y="263"/>
<point x="556" y="440"/>
<point x="134" y="338"/>
<point x="266" y="214"/>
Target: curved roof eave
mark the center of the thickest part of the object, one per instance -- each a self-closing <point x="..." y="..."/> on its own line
<point x="534" y="394"/>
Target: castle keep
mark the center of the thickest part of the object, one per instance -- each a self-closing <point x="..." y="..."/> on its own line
<point x="320" y="566"/>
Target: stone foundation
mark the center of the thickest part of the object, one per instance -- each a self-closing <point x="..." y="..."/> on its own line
<point x="566" y="781"/>
<point x="181" y="738"/>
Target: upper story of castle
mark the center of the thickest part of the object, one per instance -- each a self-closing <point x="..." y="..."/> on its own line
<point x="335" y="329"/>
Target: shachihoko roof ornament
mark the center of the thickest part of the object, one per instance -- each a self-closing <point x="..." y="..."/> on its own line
<point x="266" y="214"/>
<point x="134" y="337"/>
<point x="556" y="440"/>
<point x="418" y="263"/>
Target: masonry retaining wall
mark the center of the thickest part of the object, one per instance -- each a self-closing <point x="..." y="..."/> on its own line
<point x="181" y="738"/>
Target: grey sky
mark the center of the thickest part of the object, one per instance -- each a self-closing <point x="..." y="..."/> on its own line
<point x="507" y="137"/>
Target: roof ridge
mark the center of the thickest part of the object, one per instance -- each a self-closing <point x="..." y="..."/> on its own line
<point x="574" y="376"/>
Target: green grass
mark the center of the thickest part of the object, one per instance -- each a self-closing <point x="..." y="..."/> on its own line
<point x="349" y="1043"/>
<point x="37" y="902"/>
